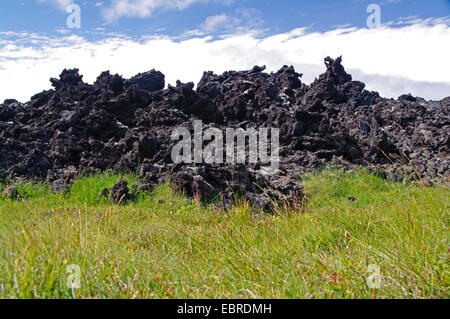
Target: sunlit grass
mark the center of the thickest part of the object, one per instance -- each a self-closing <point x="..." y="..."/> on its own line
<point x="164" y="245"/>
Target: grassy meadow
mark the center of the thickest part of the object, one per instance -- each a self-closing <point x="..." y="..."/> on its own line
<point x="163" y="245"/>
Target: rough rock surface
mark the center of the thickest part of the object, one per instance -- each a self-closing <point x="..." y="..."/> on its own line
<point x="11" y="193"/>
<point x="126" y="125"/>
<point x="119" y="193"/>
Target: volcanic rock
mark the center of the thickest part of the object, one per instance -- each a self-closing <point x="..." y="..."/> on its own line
<point x="119" y="193"/>
<point x="11" y="193"/>
<point x="151" y="81"/>
<point x="126" y="125"/>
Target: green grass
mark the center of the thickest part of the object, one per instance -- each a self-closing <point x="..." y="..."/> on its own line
<point x="164" y="246"/>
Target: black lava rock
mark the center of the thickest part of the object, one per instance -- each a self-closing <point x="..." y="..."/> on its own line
<point x="126" y="125"/>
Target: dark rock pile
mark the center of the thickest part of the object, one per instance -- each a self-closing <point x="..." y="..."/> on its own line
<point x="126" y="125"/>
<point x="119" y="193"/>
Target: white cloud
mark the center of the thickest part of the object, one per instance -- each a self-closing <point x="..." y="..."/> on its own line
<point x="405" y="59"/>
<point x="135" y="8"/>
<point x="212" y="23"/>
<point x="145" y="8"/>
<point x="241" y="21"/>
<point x="62" y="4"/>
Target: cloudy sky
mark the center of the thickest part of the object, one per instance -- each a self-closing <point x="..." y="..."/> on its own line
<point x="408" y="52"/>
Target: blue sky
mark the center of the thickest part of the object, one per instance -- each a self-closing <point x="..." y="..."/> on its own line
<point x="406" y="53"/>
<point x="48" y="16"/>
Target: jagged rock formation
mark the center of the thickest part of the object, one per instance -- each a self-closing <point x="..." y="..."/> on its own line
<point x="126" y="125"/>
